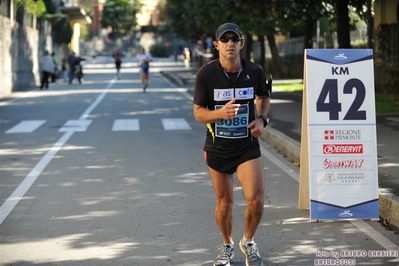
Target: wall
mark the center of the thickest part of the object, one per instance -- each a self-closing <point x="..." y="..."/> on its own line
<point x="19" y="59"/>
<point x="385" y="12"/>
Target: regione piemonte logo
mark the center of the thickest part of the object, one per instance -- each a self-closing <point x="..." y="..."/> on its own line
<point x="343" y="134"/>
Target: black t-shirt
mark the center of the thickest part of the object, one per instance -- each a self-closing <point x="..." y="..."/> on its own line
<point x="214" y="88"/>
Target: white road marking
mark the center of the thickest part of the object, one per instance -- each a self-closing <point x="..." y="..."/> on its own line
<point x="26" y="126"/>
<point x="175" y="124"/>
<point x="7" y="207"/>
<point x="20" y="191"/>
<point x="126" y="125"/>
<point x="75" y="125"/>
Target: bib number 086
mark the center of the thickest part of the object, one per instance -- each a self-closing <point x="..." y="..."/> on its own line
<point x="333" y="106"/>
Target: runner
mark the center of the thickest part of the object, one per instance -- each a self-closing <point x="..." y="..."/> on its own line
<point x="143" y="60"/>
<point x="118" y="62"/>
<point x="224" y="96"/>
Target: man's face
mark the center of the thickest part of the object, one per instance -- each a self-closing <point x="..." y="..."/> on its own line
<point x="229" y="45"/>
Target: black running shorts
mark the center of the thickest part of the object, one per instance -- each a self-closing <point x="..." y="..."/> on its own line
<point x="228" y="161"/>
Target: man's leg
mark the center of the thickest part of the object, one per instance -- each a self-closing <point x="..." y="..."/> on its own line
<point x="223" y="186"/>
<point x="42" y="80"/>
<point x="251" y="176"/>
<point x="46" y="78"/>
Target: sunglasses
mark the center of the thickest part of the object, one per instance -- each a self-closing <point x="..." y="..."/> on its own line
<point x="227" y="39"/>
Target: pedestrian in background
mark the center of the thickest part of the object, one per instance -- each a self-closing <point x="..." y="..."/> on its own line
<point x="118" y="62"/>
<point x="71" y="63"/>
<point x="64" y="70"/>
<point x="231" y="96"/>
<point x="55" y="72"/>
<point x="187" y="57"/>
<point x="143" y="61"/>
<point x="47" y="68"/>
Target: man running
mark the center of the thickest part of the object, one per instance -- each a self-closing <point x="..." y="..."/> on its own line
<point x="224" y="96"/>
<point x="143" y="60"/>
<point x="118" y="62"/>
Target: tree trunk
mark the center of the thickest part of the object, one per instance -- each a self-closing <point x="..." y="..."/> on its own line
<point x="309" y="32"/>
<point x="277" y="70"/>
<point x="248" y="46"/>
<point x="262" y="59"/>
<point x="343" y="31"/>
<point x="370" y="26"/>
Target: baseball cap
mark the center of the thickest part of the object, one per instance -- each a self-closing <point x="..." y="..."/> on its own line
<point x="226" y="27"/>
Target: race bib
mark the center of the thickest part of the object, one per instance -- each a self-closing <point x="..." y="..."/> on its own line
<point x="233" y="128"/>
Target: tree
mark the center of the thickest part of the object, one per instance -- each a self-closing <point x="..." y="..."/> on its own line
<point x="297" y="15"/>
<point x="33" y="7"/>
<point x="120" y="15"/>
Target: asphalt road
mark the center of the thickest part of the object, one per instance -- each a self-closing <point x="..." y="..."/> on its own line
<point x="104" y="174"/>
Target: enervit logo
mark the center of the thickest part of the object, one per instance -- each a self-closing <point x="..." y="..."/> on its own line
<point x="342" y="148"/>
<point x="343" y="134"/>
<point x="344" y="164"/>
<point x="222" y="94"/>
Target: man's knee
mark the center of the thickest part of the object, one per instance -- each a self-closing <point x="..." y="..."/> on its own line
<point x="256" y="202"/>
<point x="224" y="206"/>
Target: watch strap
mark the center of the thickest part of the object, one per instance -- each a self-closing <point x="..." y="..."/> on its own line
<point x="265" y="120"/>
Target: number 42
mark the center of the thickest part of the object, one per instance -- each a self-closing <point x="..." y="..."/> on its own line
<point x="333" y="106"/>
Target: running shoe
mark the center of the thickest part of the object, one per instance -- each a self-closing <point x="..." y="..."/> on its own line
<point x="226" y="253"/>
<point x="251" y="253"/>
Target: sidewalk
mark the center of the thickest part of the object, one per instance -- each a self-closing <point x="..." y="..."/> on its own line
<point x="284" y="132"/>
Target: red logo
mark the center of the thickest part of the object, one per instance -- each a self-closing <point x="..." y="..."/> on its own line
<point x="329" y="134"/>
<point x="345" y="164"/>
<point x="342" y="148"/>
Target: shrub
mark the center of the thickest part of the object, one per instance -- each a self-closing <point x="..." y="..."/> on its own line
<point x="158" y="50"/>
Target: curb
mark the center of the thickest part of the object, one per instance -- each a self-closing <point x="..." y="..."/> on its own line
<point x="174" y="79"/>
<point x="388" y="202"/>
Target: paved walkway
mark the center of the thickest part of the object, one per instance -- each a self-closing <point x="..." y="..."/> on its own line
<point x="284" y="133"/>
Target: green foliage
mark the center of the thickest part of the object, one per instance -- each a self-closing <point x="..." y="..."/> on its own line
<point x="388" y="39"/>
<point x="386" y="103"/>
<point x="120" y="15"/>
<point x="62" y="30"/>
<point x="32" y="7"/>
<point x="158" y="50"/>
<point x="162" y="29"/>
<point x="50" y="7"/>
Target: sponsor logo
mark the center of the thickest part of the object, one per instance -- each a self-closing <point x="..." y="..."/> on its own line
<point x="340" y="57"/>
<point x="345" y="164"/>
<point x="222" y="94"/>
<point x="350" y="177"/>
<point x="342" y="148"/>
<point x="343" y="134"/>
<point x="244" y="93"/>
<point x="345" y="214"/>
<point x="329" y="177"/>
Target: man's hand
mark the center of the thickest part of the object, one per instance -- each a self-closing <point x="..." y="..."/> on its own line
<point x="256" y="127"/>
<point x="229" y="110"/>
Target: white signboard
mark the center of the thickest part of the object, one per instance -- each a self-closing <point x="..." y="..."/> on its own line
<point x="341" y="134"/>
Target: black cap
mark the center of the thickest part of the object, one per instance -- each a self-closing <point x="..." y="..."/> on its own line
<point x="226" y="27"/>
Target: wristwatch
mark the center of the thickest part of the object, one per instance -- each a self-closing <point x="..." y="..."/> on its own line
<point x="265" y="120"/>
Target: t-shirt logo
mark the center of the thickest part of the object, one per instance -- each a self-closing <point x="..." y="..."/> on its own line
<point x="223" y="94"/>
<point x="244" y="93"/>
